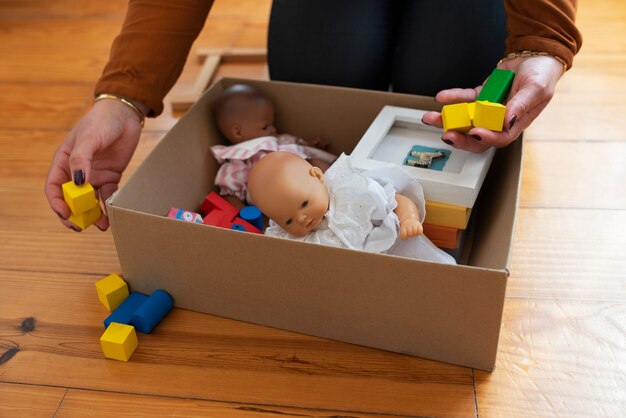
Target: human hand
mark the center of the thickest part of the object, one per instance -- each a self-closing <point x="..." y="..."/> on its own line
<point x="410" y="228"/>
<point x="97" y="151"/>
<point x="533" y="87"/>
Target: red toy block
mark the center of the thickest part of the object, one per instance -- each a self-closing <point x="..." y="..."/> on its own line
<point x="215" y="201"/>
<point x="217" y="218"/>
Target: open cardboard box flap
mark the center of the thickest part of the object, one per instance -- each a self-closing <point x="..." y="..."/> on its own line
<point x="442" y="312"/>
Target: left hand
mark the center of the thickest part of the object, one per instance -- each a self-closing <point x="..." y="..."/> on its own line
<point x="410" y="227"/>
<point x="533" y="87"/>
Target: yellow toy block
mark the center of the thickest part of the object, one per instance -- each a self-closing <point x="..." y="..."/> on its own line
<point x="489" y="115"/>
<point x="456" y="117"/>
<point x="119" y="341"/>
<point x="83" y="220"/>
<point x="471" y="107"/>
<point x="443" y="214"/>
<point x="112" y="291"/>
<point x="80" y="199"/>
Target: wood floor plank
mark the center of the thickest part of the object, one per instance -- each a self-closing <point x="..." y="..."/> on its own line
<point x="581" y="175"/>
<point x="55" y="106"/>
<point x="569" y="254"/>
<point x="62" y="9"/>
<point x="557" y="358"/>
<point x="22" y="401"/>
<point x="588" y="103"/>
<point x="81" y="403"/>
<point x="602" y="25"/>
<point x="211" y="358"/>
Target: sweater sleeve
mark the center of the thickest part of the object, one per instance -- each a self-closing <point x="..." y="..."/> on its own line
<point x="543" y="25"/>
<point x="149" y="54"/>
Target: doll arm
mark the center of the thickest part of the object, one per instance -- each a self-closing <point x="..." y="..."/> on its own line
<point x="410" y="225"/>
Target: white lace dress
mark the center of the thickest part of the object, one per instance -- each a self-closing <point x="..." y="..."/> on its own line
<point x="360" y="214"/>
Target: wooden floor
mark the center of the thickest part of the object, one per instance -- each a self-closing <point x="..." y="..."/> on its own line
<point x="562" y="348"/>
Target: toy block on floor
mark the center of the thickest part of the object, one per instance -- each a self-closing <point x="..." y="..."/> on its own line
<point x="253" y="215"/>
<point x="112" y="291"/>
<point x="152" y="311"/>
<point x="119" y="341"/>
<point x="123" y="313"/>
<point x="497" y="86"/>
<point x="80" y="199"/>
<point x="184" y="215"/>
<point x="215" y="201"/>
<point x="456" y="117"/>
<point x="83" y="220"/>
<point x="489" y="115"/>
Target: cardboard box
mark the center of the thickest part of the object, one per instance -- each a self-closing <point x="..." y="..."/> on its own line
<point x="442" y="312"/>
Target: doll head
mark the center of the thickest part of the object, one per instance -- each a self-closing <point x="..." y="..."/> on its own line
<point x="243" y="113"/>
<point x="290" y="191"/>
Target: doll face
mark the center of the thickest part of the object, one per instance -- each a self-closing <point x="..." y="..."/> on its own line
<point x="290" y="191"/>
<point x="303" y="205"/>
<point x="256" y="121"/>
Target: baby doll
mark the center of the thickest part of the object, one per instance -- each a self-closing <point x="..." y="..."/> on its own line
<point x="343" y="208"/>
<point x="246" y="118"/>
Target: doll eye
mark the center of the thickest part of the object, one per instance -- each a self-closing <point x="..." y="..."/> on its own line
<point x="305" y="204"/>
<point x="289" y="221"/>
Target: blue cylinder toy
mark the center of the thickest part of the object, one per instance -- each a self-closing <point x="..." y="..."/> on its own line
<point x="253" y="215"/>
<point x="152" y="311"/>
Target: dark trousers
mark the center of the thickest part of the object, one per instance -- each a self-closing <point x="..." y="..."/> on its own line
<point x="410" y="46"/>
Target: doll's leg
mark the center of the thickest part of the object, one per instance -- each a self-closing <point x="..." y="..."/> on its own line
<point x="336" y="42"/>
<point x="447" y="43"/>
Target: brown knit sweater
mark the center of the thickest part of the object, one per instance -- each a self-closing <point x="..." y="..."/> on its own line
<point x="150" y="52"/>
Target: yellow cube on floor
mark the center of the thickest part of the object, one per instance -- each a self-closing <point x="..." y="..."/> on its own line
<point x="83" y="220"/>
<point x="80" y="199"/>
<point x="456" y="117"/>
<point x="489" y="115"/>
<point x="119" y="341"/>
<point x="112" y="291"/>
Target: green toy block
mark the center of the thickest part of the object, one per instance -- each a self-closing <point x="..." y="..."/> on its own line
<point x="497" y="86"/>
<point x="112" y="291"/>
<point x="119" y="341"/>
<point x="80" y="199"/>
<point x="456" y="117"/>
<point x="489" y="115"/>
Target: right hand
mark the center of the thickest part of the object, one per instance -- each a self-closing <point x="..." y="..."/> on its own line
<point x="100" y="146"/>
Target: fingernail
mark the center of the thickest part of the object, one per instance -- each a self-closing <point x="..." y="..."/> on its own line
<point x="447" y="141"/>
<point x="512" y="121"/>
<point x="59" y="215"/>
<point x="79" y="177"/>
<point x="74" y="228"/>
<point x="425" y="123"/>
<point x="476" y="137"/>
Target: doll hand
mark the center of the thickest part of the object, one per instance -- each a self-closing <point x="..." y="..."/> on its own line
<point x="533" y="87"/>
<point x="410" y="228"/>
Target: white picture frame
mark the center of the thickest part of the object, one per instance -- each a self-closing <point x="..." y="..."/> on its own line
<point x="391" y="136"/>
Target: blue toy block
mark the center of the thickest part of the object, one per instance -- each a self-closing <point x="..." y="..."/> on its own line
<point x="122" y="314"/>
<point x="238" y="227"/>
<point x="253" y="215"/>
<point x="152" y="311"/>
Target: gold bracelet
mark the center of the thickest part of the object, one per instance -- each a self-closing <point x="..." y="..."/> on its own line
<point x="127" y="102"/>
<point x="528" y="53"/>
